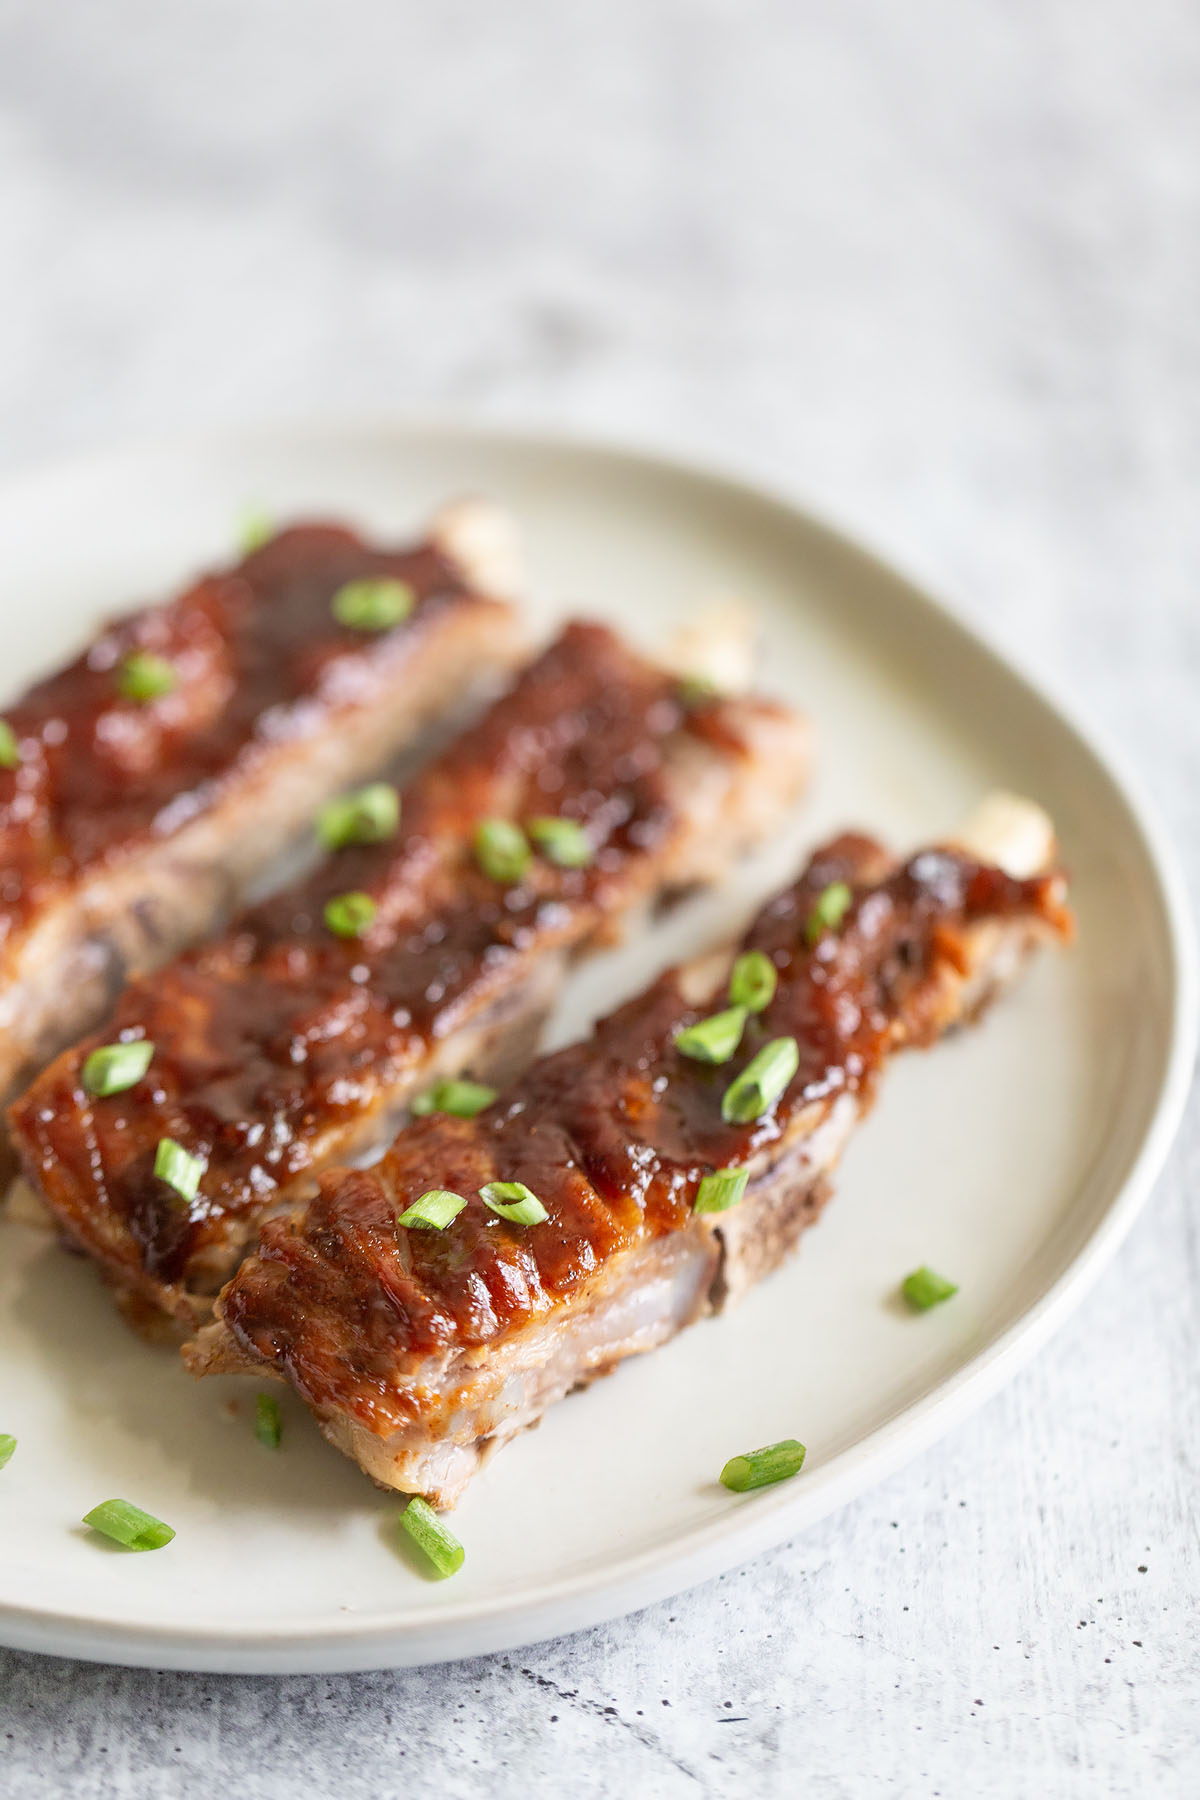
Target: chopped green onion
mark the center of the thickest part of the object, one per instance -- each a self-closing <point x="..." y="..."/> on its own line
<point x="923" y="1289"/>
<point x="429" y="1534"/>
<point x="461" y="1099"/>
<point x="760" y="1468"/>
<point x="369" y="816"/>
<point x="255" y="529"/>
<point x="514" y="1202"/>
<point x="753" y="981"/>
<point x="433" y="1211"/>
<point x="563" y="842"/>
<point x="502" y="850"/>
<point x="713" y="1040"/>
<point x="761" y="1082"/>
<point x="373" y="604"/>
<point x="829" y="911"/>
<point x="7" y="1445"/>
<point x="268" y="1425"/>
<point x="128" y="1525"/>
<point x="350" y="915"/>
<point x="114" y="1067"/>
<point x="717" y="1193"/>
<point x="10" y="750"/>
<point x="144" y="676"/>
<point x="178" y="1167"/>
<point x="695" y="690"/>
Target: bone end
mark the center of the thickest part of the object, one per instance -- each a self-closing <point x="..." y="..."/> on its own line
<point x="719" y="647"/>
<point x="485" y="541"/>
<point x="1014" y="833"/>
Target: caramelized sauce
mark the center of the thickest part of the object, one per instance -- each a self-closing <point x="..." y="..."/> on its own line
<point x="613" y="1135"/>
<point x="280" y="1034"/>
<point x="256" y="654"/>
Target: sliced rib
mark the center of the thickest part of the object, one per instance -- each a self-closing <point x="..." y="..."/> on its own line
<point x="280" y="1047"/>
<point x="420" y="1350"/>
<point x="129" y="829"/>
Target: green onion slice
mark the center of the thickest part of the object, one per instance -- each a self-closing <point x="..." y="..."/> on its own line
<point x="10" y="750"/>
<point x="924" y="1288"/>
<point x="717" y="1193"/>
<point x="829" y="911"/>
<point x="144" y="676"/>
<point x="112" y="1068"/>
<point x="7" y="1445"/>
<point x="255" y="529"/>
<point x="461" y="1099"/>
<point x="350" y="915"/>
<point x="433" y="1211"/>
<point x="695" y="690"/>
<point x="713" y="1040"/>
<point x="761" y="1082"/>
<point x="563" y="842"/>
<point x="426" y="1530"/>
<point x="128" y="1525"/>
<point x="268" y="1422"/>
<point x="373" y="604"/>
<point x="753" y="981"/>
<point x="178" y="1167"/>
<point x="760" y="1468"/>
<point x="369" y="816"/>
<point x="514" y="1202"/>
<point x="502" y="850"/>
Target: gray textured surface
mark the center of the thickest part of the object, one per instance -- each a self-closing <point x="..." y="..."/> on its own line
<point x="935" y="267"/>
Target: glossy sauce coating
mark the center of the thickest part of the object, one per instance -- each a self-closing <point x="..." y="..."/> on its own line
<point x="280" y="1032"/>
<point x="257" y="656"/>
<point x="613" y="1135"/>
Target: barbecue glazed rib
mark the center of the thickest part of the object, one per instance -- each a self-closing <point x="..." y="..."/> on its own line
<point x="282" y="1047"/>
<point x="419" y="1350"/>
<point x="128" y="827"/>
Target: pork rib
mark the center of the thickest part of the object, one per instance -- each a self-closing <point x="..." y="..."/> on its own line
<point x="128" y="828"/>
<point x="419" y="1350"/>
<point x="281" y="1047"/>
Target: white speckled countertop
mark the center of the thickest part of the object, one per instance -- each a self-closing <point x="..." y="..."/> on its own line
<point x="934" y="267"/>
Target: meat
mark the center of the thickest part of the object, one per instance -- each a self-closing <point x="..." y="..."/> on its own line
<point x="419" y="1350"/>
<point x="282" y="1047"/>
<point x="145" y="796"/>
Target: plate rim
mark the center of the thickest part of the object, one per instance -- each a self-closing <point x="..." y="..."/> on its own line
<point x="335" y="1643"/>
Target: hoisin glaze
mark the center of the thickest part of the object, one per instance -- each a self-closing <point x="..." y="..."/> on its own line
<point x="613" y="1134"/>
<point x="256" y="653"/>
<point x="279" y="1030"/>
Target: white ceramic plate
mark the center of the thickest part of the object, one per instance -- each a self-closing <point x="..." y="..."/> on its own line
<point x="1014" y="1158"/>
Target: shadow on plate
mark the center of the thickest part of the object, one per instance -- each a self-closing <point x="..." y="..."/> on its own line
<point x="130" y="1411"/>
